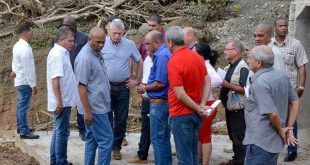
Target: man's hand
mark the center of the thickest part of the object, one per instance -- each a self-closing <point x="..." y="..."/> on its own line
<point x="139" y="100"/>
<point x="299" y="91"/>
<point x="131" y="83"/>
<point x="12" y="74"/>
<point x="59" y="107"/>
<point x="290" y="138"/>
<point x="204" y="107"/>
<point x="34" y="90"/>
<point x="283" y="133"/>
<point x="141" y="89"/>
<point x="88" y="117"/>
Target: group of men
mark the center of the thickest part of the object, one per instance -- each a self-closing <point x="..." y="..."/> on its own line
<point x="93" y="73"/>
<point x="262" y="104"/>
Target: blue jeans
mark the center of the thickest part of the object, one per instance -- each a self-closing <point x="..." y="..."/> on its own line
<point x="290" y="148"/>
<point x="23" y="104"/>
<point x="119" y="114"/>
<point x="258" y="156"/>
<point x="185" y="131"/>
<point x="98" y="135"/>
<point x="145" y="139"/>
<point x="59" y="144"/>
<point x="160" y="133"/>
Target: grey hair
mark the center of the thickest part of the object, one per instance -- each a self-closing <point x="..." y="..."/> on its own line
<point x="264" y="54"/>
<point x="176" y="35"/>
<point x="63" y="32"/>
<point x="117" y="23"/>
<point x="237" y="44"/>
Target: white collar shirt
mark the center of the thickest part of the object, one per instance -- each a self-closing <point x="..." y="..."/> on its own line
<point x="59" y="65"/>
<point x="23" y="64"/>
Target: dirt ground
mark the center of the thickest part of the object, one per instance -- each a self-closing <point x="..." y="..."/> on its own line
<point x="10" y="155"/>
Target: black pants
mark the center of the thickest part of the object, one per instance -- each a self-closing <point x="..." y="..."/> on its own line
<point x="236" y="131"/>
<point x="145" y="139"/>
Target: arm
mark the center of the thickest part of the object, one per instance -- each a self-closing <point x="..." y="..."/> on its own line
<point x="244" y="72"/>
<point x="206" y="90"/>
<point x="293" y="111"/>
<point x="84" y="99"/>
<point x="233" y="87"/>
<point x="137" y="80"/>
<point x="156" y="85"/>
<point x="57" y="92"/>
<point x="302" y="79"/>
<point x="29" y="69"/>
<point x="276" y="123"/>
<point x="186" y="100"/>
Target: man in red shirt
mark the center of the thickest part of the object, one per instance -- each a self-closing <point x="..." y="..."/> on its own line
<point x="188" y="93"/>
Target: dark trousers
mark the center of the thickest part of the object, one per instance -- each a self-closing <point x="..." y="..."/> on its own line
<point x="119" y="114"/>
<point x="80" y="122"/>
<point x="236" y="131"/>
<point x="145" y="140"/>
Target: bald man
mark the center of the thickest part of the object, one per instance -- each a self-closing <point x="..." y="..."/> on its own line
<point x="157" y="90"/>
<point x="271" y="108"/>
<point x="80" y="39"/>
<point x="262" y="36"/>
<point x="94" y="90"/>
<point x="190" y="37"/>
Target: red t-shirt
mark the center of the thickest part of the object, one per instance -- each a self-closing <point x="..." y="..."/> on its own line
<point x="185" y="68"/>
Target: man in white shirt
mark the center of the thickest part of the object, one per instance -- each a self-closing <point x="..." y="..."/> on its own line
<point x="190" y="37"/>
<point x="62" y="93"/>
<point x="23" y="70"/>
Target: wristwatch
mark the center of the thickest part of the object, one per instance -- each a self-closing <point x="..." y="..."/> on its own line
<point x="301" y="87"/>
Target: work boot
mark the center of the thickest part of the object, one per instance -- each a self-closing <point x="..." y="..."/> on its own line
<point x="29" y="136"/>
<point x="117" y="155"/>
<point x="291" y="156"/>
<point x="137" y="160"/>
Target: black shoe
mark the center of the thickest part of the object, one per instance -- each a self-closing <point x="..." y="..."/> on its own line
<point x="82" y="135"/>
<point x="290" y="157"/>
<point x="29" y="136"/>
<point x="30" y="130"/>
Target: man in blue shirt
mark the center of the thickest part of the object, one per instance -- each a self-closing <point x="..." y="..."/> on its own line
<point x="80" y="39"/>
<point x="157" y="89"/>
<point x="117" y="53"/>
<point x="94" y="89"/>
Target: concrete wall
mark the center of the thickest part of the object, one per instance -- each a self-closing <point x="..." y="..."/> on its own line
<point x="300" y="28"/>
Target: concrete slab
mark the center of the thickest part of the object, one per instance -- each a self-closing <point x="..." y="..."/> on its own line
<point x="39" y="149"/>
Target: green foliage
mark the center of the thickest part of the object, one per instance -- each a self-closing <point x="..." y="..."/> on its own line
<point x="236" y="8"/>
<point x="43" y="36"/>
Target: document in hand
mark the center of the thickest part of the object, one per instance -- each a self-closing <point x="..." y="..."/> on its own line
<point x="221" y="72"/>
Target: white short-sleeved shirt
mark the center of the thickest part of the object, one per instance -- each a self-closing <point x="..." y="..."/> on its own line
<point x="147" y="65"/>
<point x="58" y="65"/>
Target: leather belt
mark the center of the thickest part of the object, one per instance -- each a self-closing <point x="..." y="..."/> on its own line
<point x="118" y="83"/>
<point x="158" y="100"/>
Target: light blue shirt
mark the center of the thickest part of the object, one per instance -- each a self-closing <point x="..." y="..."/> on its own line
<point x="90" y="70"/>
<point x="270" y="91"/>
<point x="117" y="58"/>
